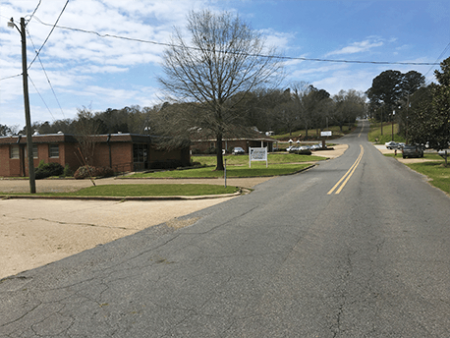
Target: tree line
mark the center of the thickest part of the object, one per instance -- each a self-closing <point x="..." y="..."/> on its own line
<point x="421" y="111"/>
<point x="302" y="106"/>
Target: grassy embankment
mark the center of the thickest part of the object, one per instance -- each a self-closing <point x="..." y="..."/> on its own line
<point x="375" y="133"/>
<point x="439" y="175"/>
<point x="434" y="169"/>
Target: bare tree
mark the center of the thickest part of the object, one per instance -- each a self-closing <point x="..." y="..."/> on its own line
<point x="225" y="57"/>
<point x="86" y="127"/>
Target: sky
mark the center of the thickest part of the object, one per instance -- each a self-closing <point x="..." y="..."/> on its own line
<point x="85" y="67"/>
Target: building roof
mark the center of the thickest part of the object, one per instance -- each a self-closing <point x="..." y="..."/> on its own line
<point x="67" y="138"/>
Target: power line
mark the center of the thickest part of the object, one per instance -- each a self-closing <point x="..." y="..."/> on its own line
<point x="37" y="53"/>
<point x="32" y="14"/>
<point x="37" y="91"/>
<point x="254" y="55"/>
<point x="48" y="80"/>
<point x="10" y="77"/>
<point x="439" y="57"/>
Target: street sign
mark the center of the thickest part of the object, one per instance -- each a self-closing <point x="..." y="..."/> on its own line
<point x="325" y="133"/>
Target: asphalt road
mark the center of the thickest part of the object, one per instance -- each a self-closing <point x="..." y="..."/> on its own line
<point x="301" y="256"/>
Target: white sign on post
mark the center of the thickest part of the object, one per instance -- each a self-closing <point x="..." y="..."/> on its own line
<point x="257" y="154"/>
<point x="325" y="133"/>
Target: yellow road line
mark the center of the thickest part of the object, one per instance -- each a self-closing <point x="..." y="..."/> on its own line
<point x="348" y="174"/>
<point x="362" y="128"/>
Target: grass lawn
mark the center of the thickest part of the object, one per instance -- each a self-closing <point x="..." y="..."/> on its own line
<point x="140" y="190"/>
<point x="313" y="132"/>
<point x="243" y="159"/>
<point x="436" y="171"/>
<point x="375" y="133"/>
<point x="257" y="169"/>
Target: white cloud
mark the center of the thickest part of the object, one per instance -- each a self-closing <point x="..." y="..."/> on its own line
<point x="357" y="47"/>
<point x="280" y="40"/>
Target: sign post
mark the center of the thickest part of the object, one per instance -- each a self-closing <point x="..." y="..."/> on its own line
<point x="257" y="154"/>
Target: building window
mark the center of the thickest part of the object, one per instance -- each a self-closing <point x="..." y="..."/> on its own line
<point x="53" y="150"/>
<point x="139" y="153"/>
<point x="35" y="151"/>
<point x="14" y="151"/>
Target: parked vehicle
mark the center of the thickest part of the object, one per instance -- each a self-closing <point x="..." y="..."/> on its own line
<point x="317" y="146"/>
<point x="391" y="145"/>
<point x="304" y="148"/>
<point x="293" y="149"/>
<point x="238" y="151"/>
<point x="400" y="145"/>
<point x="411" y="150"/>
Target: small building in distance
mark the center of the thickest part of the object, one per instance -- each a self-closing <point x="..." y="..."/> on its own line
<point x="121" y="152"/>
<point x="204" y="143"/>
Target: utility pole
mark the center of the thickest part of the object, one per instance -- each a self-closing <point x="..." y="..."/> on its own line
<point x="26" y="102"/>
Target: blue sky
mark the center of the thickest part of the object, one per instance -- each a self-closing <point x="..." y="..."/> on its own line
<point x="87" y="70"/>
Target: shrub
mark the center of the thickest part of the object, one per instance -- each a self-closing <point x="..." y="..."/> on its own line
<point x="89" y="171"/>
<point x="168" y="164"/>
<point x="45" y="170"/>
<point x="303" y="152"/>
<point x="67" y="171"/>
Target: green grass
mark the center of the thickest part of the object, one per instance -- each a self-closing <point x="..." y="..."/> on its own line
<point x="439" y="175"/>
<point x="313" y="133"/>
<point x="375" y="133"/>
<point x="271" y="159"/>
<point x="257" y="169"/>
<point x="140" y="190"/>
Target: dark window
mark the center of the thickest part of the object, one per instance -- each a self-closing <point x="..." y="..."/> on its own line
<point x="139" y="153"/>
<point x="53" y="150"/>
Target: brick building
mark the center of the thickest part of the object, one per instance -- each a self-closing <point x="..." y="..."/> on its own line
<point x="122" y="152"/>
<point x="201" y="142"/>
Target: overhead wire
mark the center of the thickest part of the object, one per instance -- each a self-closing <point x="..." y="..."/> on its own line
<point x="51" y="31"/>
<point x="240" y="53"/>
<point x="48" y="79"/>
<point x="37" y="91"/>
<point x="437" y="60"/>
<point x="32" y="14"/>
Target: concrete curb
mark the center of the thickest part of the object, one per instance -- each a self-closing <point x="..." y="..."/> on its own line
<point x="125" y="198"/>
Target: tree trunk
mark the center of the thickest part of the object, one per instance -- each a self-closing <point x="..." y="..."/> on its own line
<point x="219" y="154"/>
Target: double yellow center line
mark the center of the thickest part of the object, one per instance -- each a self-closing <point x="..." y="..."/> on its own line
<point x="347" y="175"/>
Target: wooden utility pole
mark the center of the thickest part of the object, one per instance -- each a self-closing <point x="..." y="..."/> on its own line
<point x="27" y="107"/>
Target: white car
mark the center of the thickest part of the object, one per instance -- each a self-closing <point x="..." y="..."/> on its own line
<point x="391" y="145"/>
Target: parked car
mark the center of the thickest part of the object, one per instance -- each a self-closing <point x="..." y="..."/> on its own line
<point x="304" y="148"/>
<point x="391" y="145"/>
<point x="400" y="145"/>
<point x="238" y="151"/>
<point x="293" y="149"/>
<point x="411" y="150"/>
<point x="317" y="146"/>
